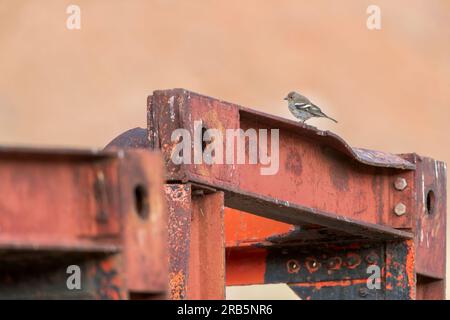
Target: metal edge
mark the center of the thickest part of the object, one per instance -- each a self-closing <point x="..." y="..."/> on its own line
<point x="364" y="156"/>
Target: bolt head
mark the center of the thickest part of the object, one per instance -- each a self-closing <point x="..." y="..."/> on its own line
<point x="400" y="184"/>
<point x="312" y="264"/>
<point x="400" y="209"/>
<point x="372" y="258"/>
<point x="334" y="263"/>
<point x="293" y="266"/>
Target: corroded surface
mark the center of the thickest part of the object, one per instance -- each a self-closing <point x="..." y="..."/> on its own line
<point x="79" y="207"/>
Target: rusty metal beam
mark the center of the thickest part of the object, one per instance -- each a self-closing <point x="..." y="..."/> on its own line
<point x="325" y="194"/>
<point x="321" y="180"/>
<point x="103" y="211"/>
<point x="430" y="226"/>
<point x="196" y="241"/>
<point x="428" y="213"/>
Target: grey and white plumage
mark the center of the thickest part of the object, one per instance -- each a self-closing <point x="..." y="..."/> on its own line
<point x="302" y="108"/>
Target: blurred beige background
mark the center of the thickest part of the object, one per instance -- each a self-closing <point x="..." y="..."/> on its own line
<point x="389" y="89"/>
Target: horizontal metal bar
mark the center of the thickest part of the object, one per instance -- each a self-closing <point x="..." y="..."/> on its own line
<point x="296" y="214"/>
<point x="328" y="271"/>
<point x="320" y="178"/>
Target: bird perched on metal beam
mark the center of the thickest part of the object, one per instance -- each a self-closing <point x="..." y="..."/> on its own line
<point x="302" y="108"/>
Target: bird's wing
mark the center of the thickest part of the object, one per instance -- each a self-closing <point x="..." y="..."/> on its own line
<point x="303" y="105"/>
<point x="315" y="110"/>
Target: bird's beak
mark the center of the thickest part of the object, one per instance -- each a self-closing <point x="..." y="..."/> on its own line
<point x="285" y="98"/>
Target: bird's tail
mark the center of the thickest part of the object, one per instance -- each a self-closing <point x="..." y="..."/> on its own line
<point x="330" y="118"/>
<point x="319" y="113"/>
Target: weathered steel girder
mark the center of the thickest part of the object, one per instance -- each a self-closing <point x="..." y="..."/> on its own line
<point x="324" y="194"/>
<point x="101" y="211"/>
<point x="321" y="180"/>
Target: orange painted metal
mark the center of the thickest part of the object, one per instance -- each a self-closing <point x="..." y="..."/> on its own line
<point x="400" y="270"/>
<point x="243" y="229"/>
<point x="246" y="267"/>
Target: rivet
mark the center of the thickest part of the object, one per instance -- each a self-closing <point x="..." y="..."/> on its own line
<point x="334" y="263"/>
<point x="400" y="209"/>
<point x="312" y="264"/>
<point x="400" y="184"/>
<point x="372" y="258"/>
<point x="293" y="266"/>
<point x="353" y="260"/>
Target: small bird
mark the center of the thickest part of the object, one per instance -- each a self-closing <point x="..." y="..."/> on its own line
<point x="302" y="108"/>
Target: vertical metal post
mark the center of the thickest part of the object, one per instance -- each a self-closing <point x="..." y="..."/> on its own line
<point x="196" y="242"/>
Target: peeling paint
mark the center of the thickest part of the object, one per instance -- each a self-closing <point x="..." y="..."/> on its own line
<point x="171" y="108"/>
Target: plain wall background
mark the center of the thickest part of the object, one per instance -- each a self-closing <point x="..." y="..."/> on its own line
<point x="389" y="89"/>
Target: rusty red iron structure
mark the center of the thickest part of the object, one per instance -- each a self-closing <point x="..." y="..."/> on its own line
<point x="103" y="212"/>
<point x="140" y="226"/>
<point x="317" y="225"/>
